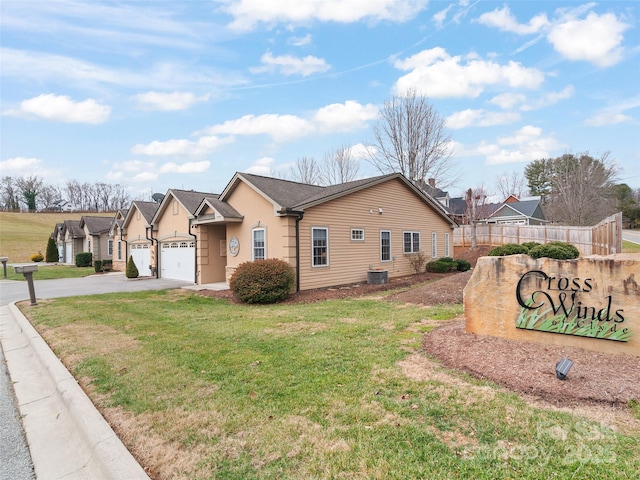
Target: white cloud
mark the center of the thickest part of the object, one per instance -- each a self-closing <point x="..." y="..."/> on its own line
<point x="290" y="65"/>
<point x="300" y="41"/>
<point x="508" y="100"/>
<point x="359" y="151"/>
<point x="480" y="118"/>
<point x="20" y="166"/>
<point x="247" y="13"/>
<point x="202" y="146"/>
<point x="343" y="117"/>
<point x="596" y="39"/>
<point x="168" y="101"/>
<point x="436" y="74"/>
<point x="281" y="128"/>
<point x="143" y="177"/>
<point x="503" y="19"/>
<point x="604" y="118"/>
<point x="188" y="167"/>
<point x="61" y="108"/>
<point x="441" y="16"/>
<point x="262" y="166"/>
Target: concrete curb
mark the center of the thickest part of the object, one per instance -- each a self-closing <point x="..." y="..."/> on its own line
<point x="67" y="436"/>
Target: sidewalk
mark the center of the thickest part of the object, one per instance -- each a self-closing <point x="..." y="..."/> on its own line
<point x="67" y="436"/>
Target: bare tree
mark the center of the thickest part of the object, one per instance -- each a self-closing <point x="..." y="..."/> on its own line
<point x="306" y="170"/>
<point x="514" y="184"/>
<point x="10" y="196"/>
<point x="339" y="166"/>
<point x="476" y="199"/>
<point x="411" y="138"/>
<point x="49" y="194"/>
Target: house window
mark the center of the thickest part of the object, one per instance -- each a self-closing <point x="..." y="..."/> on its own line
<point x="447" y="252"/>
<point x="259" y="245"/>
<point x="119" y="250"/>
<point x="411" y="242"/>
<point x="88" y="245"/>
<point x="110" y="247"/>
<point x="385" y="245"/>
<point x="320" y="241"/>
<point x="357" y="234"/>
<point x="434" y="244"/>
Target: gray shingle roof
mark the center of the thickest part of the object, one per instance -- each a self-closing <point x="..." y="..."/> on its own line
<point x="190" y="199"/>
<point x="73" y="227"/>
<point x="285" y="193"/>
<point x="147" y="209"/>
<point x="96" y="225"/>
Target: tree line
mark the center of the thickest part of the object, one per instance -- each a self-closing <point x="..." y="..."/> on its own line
<point x="31" y="193"/>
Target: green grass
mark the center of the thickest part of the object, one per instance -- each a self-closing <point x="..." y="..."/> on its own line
<point x="51" y="272"/>
<point x="630" y="247"/>
<point x="201" y="388"/>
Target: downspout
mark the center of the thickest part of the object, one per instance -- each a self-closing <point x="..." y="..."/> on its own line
<point x="298" y="220"/>
<point x="195" y="254"/>
<point x="148" y="231"/>
<point x="126" y="249"/>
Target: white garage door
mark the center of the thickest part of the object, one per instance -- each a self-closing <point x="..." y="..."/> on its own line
<point x="68" y="253"/>
<point x="141" y="255"/>
<point x="177" y="260"/>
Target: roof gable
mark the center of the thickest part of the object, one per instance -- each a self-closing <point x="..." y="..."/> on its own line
<point x="95" y="225"/>
<point x="189" y="200"/>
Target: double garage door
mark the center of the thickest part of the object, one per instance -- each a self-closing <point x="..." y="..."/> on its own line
<point x="178" y="260"/>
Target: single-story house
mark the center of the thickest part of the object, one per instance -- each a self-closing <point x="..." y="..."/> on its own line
<point x="331" y="235"/>
<point x="519" y="212"/>
<point x="96" y="236"/>
<point x="118" y="244"/>
<point x="172" y="236"/>
<point x="134" y="239"/>
<point x="58" y="237"/>
<point x="73" y="237"/>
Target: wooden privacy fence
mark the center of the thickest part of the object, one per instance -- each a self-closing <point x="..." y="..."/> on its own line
<point x="604" y="238"/>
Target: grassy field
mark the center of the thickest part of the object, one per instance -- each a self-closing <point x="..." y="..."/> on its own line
<point x="629" y="247"/>
<point x="200" y="388"/>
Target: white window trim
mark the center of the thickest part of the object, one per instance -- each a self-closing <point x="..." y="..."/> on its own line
<point x="353" y="230"/>
<point x="119" y="250"/>
<point x="390" y="244"/>
<point x="434" y="245"/>
<point x="412" y="233"/>
<point x="447" y="248"/>
<point x="326" y="229"/>
<point x="253" y="242"/>
<point x="110" y="247"/>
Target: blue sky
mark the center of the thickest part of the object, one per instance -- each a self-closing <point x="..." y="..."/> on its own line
<point x="182" y="94"/>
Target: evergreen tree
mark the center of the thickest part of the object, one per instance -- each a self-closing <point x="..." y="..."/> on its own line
<point x="51" y="254"/>
<point x="132" y="270"/>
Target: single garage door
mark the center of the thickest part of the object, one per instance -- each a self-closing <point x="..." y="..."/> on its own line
<point x="177" y="260"/>
<point x="68" y="249"/>
<point x="141" y="254"/>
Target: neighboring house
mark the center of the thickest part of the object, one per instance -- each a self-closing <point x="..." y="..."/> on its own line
<point x="437" y="193"/>
<point x="61" y="206"/>
<point x="96" y="237"/>
<point x="73" y="237"/>
<point x="331" y="235"/>
<point x="173" y="236"/>
<point x="58" y="237"/>
<point x="519" y="212"/>
<point x="135" y="239"/>
<point x="118" y="244"/>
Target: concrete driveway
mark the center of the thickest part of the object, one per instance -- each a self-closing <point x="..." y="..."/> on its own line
<point x="15" y="458"/>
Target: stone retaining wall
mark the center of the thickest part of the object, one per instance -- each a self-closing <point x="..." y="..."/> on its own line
<point x="591" y="302"/>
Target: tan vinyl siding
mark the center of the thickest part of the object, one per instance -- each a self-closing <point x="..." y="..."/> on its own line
<point x="136" y="233"/>
<point x="350" y="260"/>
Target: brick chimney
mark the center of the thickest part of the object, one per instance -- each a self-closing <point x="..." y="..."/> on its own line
<point x="432" y="182"/>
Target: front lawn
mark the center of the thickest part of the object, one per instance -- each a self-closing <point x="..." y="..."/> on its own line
<point x="200" y="388"/>
<point x="630" y="247"/>
<point x="51" y="272"/>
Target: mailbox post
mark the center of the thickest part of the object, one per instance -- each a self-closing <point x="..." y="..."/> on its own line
<point x="27" y="271"/>
<point x="4" y="265"/>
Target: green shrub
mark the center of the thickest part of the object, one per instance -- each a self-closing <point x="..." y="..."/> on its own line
<point x="530" y="245"/>
<point x="557" y="250"/>
<point x="442" y="265"/>
<point x="132" y="270"/>
<point x="51" y="253"/>
<point x="84" y="259"/>
<point x="97" y="265"/>
<point x="262" y="281"/>
<point x="463" y="265"/>
<point x="36" y="257"/>
<point x="508" y="249"/>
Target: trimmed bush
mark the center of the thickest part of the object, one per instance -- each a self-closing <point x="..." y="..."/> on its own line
<point x="262" y="281"/>
<point x="508" y="249"/>
<point x="84" y="259"/>
<point x="97" y="265"/>
<point x="36" y="257"/>
<point x="51" y="253"/>
<point x="556" y="250"/>
<point x="463" y="265"/>
<point x="530" y="245"/>
<point x="442" y="265"/>
<point x="132" y="270"/>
